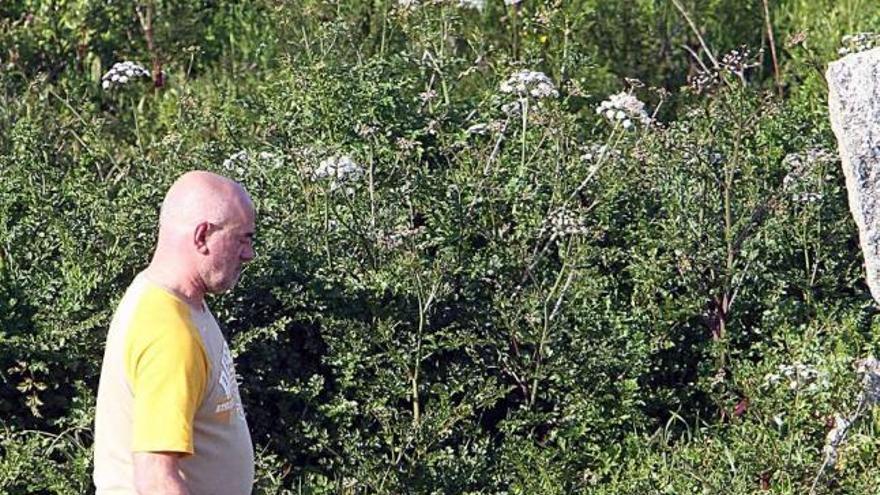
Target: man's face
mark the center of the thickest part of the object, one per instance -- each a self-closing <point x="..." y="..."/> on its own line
<point x="230" y="246"/>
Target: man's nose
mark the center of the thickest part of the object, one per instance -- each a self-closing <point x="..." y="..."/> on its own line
<point x="248" y="253"/>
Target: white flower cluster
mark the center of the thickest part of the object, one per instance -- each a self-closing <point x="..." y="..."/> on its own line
<point x="799" y="377"/>
<point x="565" y="223"/>
<point x="595" y="152"/>
<point x="800" y="165"/>
<point x="808" y="197"/>
<point x="473" y="4"/>
<point x="406" y="144"/>
<point x="341" y="169"/>
<point x="704" y="80"/>
<point x="529" y="83"/>
<point x="121" y="73"/>
<point x="625" y="109"/>
<point x="395" y="239"/>
<point x="835" y="438"/>
<point x="365" y="130"/>
<point x="859" y="42"/>
<point x="513" y="108"/>
<point x="467" y="4"/>
<point x="428" y="96"/>
<point x="739" y="60"/>
<point x="237" y="161"/>
<point x="736" y="62"/>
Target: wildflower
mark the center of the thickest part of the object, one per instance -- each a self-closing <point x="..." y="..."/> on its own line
<point x="704" y="81"/>
<point x="719" y="377"/>
<point x="512" y="108"/>
<point x="739" y="60"/>
<point x="596" y="152"/>
<point x="625" y="109"/>
<point x="365" y="130"/>
<point x="529" y="83"/>
<point x="859" y="42"/>
<point x="736" y="62"/>
<point x="512" y="2"/>
<point x="497" y="126"/>
<point x="564" y="223"/>
<point x="799" y="166"/>
<point x="235" y="160"/>
<point x="121" y="73"/>
<point x="427" y="96"/>
<point x="432" y="127"/>
<point x="405" y="144"/>
<point x="267" y="156"/>
<point x="341" y="169"/>
<point x="407" y="3"/>
<point x="399" y="236"/>
<point x="170" y="140"/>
<point x="799" y="377"/>
<point x="806" y="197"/>
<point x="473" y="4"/>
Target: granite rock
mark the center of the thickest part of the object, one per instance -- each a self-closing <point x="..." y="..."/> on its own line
<point x="854" y="104"/>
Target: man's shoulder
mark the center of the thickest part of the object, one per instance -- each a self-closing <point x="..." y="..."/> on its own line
<point x="160" y="332"/>
<point x="154" y="314"/>
<point x="145" y="302"/>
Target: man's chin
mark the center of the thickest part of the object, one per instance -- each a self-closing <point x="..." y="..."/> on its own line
<point x="225" y="286"/>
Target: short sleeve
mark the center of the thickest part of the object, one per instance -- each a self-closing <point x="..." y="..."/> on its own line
<point x="167" y="370"/>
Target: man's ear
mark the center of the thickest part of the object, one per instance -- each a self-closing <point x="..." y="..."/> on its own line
<point x="200" y="237"/>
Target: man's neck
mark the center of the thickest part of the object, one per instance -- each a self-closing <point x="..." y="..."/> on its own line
<point x="187" y="290"/>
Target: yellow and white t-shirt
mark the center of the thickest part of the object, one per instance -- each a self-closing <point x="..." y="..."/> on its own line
<point x="168" y="384"/>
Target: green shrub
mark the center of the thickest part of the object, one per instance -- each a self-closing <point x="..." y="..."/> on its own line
<point x="512" y="295"/>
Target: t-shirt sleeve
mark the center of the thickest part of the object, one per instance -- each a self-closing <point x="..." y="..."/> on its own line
<point x="167" y="370"/>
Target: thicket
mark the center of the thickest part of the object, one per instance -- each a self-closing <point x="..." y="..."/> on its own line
<point x="468" y="280"/>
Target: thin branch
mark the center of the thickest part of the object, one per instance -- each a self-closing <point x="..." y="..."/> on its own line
<point x="739" y="285"/>
<point x="145" y="15"/>
<point x="696" y="32"/>
<point x="696" y="57"/>
<point x="562" y="293"/>
<point x="497" y="146"/>
<point x="772" y="48"/>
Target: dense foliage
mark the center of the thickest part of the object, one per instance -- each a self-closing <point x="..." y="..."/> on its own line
<point x="468" y="279"/>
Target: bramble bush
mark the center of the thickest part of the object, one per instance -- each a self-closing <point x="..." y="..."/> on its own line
<point x="503" y="247"/>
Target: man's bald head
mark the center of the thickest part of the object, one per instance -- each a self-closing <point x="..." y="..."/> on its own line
<point x="200" y="196"/>
<point x="206" y="229"/>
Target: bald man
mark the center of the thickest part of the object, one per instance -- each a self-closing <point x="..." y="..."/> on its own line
<point x="169" y="418"/>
